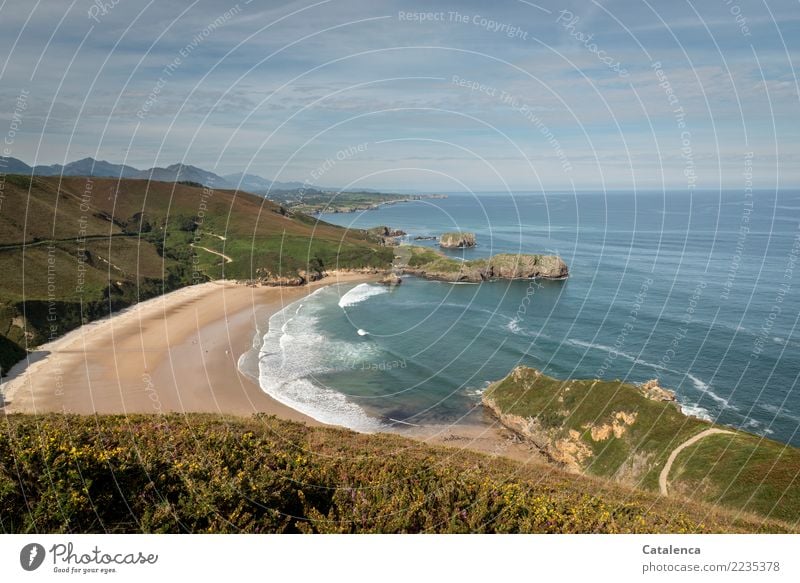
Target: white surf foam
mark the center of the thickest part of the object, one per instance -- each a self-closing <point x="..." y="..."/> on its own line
<point x="696" y="411"/>
<point x="513" y="326"/>
<point x="698" y="383"/>
<point x="360" y="293"/>
<point x="780" y="412"/>
<point x="294" y="352"/>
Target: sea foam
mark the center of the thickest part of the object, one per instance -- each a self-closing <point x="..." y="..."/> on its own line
<point x="360" y="293"/>
<point x="294" y="353"/>
<point x="700" y="385"/>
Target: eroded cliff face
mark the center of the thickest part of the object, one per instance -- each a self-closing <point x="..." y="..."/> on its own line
<point x="508" y="266"/>
<point x="457" y="240"/>
<point x="553" y="426"/>
<point x="565" y="450"/>
<point x="503" y="266"/>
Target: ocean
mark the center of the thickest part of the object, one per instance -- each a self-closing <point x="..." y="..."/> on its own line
<point x="700" y="290"/>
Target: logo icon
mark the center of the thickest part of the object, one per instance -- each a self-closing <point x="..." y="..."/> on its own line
<point x="31" y="556"/>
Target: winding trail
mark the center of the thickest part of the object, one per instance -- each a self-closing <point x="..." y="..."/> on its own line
<point x="225" y="257"/>
<point x="662" y="478"/>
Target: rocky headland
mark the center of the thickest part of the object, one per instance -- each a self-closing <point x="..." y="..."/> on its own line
<point x="457" y="240"/>
<point x="429" y="264"/>
<point x="635" y="435"/>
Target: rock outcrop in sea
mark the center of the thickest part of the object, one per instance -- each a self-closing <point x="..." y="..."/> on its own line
<point x="457" y="240"/>
<point x="431" y="265"/>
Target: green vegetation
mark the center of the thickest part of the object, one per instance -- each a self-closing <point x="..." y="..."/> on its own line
<point x="76" y="249"/>
<point x="428" y="263"/>
<point x="741" y="471"/>
<point x="611" y="429"/>
<point x="423" y="257"/>
<point x="206" y="473"/>
<point x="312" y="201"/>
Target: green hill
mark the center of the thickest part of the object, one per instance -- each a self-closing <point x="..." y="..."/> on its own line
<point x="75" y="249"/>
<point x="625" y="432"/>
<point x="207" y="473"/>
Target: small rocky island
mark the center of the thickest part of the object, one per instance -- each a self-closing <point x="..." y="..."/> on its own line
<point x="386" y="236"/>
<point x="429" y="264"/>
<point x="457" y="240"/>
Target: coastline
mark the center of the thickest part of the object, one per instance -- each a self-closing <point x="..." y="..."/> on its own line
<point x="174" y="353"/>
<point x="179" y="353"/>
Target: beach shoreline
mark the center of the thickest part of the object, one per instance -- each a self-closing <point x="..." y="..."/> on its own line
<point x="179" y="353"/>
<point x="176" y="353"/>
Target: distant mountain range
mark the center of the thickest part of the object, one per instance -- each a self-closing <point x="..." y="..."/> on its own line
<point x="172" y="173"/>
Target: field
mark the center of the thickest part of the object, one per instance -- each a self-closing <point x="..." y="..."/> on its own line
<point x="206" y="473"/>
<point x="611" y="429"/>
<point x="312" y="201"/>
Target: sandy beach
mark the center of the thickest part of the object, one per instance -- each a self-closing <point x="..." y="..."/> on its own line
<point x="178" y="353"/>
<point x="174" y="353"/>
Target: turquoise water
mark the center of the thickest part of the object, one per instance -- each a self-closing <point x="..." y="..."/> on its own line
<point x="701" y="292"/>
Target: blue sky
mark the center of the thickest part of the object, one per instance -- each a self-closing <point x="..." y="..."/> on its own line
<point x="474" y="96"/>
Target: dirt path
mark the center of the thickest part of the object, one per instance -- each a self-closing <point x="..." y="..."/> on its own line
<point x="662" y="478"/>
<point x="225" y="257"/>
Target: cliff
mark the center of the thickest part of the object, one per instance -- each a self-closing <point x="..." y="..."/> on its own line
<point x="429" y="264"/>
<point x="637" y="435"/>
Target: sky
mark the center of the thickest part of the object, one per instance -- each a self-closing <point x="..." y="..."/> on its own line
<point x="425" y="96"/>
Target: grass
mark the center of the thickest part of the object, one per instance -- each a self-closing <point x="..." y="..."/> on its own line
<point x="433" y="261"/>
<point x="744" y="472"/>
<point x="207" y="473"/>
<point x="315" y="201"/>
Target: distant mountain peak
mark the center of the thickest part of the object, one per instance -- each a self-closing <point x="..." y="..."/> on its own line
<point x="176" y="172"/>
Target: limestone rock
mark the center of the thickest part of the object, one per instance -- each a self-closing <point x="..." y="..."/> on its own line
<point x="457" y="240"/>
<point x="653" y="391"/>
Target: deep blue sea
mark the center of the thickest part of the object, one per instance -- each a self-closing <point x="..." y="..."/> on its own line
<point x="701" y="291"/>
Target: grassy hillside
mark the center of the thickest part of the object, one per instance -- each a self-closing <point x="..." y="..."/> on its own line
<point x="74" y="249"/>
<point x="310" y="200"/>
<point x="205" y="473"/>
<point x="611" y="429"/>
